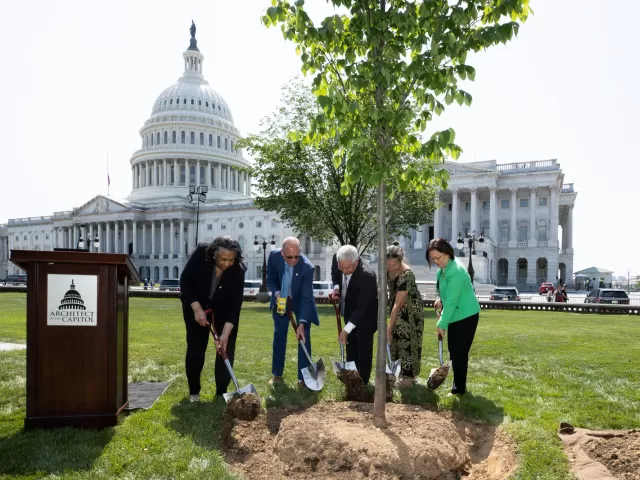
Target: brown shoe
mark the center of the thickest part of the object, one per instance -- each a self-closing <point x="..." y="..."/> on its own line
<point x="275" y="379"/>
<point x="301" y="386"/>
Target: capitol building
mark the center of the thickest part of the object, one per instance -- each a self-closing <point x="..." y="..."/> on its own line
<point x="190" y="139"/>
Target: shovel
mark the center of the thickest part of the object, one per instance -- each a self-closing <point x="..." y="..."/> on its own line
<point x="438" y="375"/>
<point x="342" y="365"/>
<point x="239" y="391"/>
<point x="393" y="368"/>
<point x="315" y="374"/>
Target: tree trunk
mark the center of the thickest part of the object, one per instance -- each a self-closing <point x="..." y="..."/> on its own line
<point x="379" y="418"/>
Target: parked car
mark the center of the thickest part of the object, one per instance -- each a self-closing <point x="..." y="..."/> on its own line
<point x="322" y="289"/>
<point x="608" y="295"/>
<point x="545" y="287"/>
<point x="252" y="287"/>
<point x="509" y="294"/>
<point x="170" y="284"/>
<point x="16" y="280"/>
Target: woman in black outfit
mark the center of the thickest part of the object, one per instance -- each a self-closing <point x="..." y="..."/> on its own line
<point x="213" y="278"/>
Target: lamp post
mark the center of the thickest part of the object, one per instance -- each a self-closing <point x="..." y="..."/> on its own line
<point x="80" y="246"/>
<point x="198" y="194"/>
<point x="263" y="295"/>
<point x="471" y="240"/>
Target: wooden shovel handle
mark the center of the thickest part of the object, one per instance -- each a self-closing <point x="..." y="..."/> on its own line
<point x="291" y="320"/>
<point x="335" y="306"/>
<point x="221" y="352"/>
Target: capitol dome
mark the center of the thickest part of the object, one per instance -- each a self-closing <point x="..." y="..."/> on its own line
<point x="189" y="139"/>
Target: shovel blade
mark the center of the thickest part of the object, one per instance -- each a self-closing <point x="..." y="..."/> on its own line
<point x="314" y="376"/>
<point x="394" y="368"/>
<point x="248" y="389"/>
<point x="339" y="366"/>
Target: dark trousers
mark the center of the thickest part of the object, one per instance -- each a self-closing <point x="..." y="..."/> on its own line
<point x="281" y="328"/>
<point x="197" y="341"/>
<point x="461" y="335"/>
<point x="360" y="351"/>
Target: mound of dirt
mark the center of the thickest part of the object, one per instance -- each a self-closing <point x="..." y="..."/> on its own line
<point x="600" y="455"/>
<point x="245" y="406"/>
<point x="438" y="376"/>
<point x="339" y="441"/>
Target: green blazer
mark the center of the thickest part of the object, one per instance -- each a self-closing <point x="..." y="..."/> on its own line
<point x="459" y="301"/>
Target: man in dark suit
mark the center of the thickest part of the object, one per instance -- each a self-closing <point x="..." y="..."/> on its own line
<point x="290" y="274"/>
<point x="356" y="288"/>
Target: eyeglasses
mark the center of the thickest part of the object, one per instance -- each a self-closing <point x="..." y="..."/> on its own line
<point x="292" y="257"/>
<point x="436" y="259"/>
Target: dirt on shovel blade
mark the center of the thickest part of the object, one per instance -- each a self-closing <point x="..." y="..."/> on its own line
<point x="438" y="376"/>
<point x="356" y="389"/>
<point x="245" y="406"/>
<point x="391" y="382"/>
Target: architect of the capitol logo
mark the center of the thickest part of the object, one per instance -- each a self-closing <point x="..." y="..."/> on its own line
<point x="72" y="300"/>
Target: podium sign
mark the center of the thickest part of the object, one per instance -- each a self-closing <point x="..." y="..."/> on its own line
<point x="77" y="336"/>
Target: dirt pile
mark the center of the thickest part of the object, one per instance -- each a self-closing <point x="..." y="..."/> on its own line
<point x="245" y="406"/>
<point x="356" y="389"/>
<point x="438" y="376"/>
<point x="600" y="455"/>
<point x="621" y="455"/>
<point x="339" y="441"/>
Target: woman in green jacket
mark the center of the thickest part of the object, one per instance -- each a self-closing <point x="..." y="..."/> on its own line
<point x="457" y="308"/>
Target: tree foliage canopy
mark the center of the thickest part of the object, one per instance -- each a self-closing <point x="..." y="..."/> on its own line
<point x="302" y="184"/>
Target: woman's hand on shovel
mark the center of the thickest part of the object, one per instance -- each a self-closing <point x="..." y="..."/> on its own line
<point x="300" y="332"/>
<point x="223" y="339"/>
<point x="440" y="332"/>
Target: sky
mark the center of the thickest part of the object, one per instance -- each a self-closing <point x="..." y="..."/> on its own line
<point x="80" y="79"/>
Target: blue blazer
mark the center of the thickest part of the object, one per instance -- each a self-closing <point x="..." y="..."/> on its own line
<point x="303" y="304"/>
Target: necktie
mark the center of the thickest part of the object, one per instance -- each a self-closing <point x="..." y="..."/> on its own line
<point x="345" y="285"/>
<point x="286" y="282"/>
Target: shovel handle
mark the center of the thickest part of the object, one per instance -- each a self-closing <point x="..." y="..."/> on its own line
<point x="339" y="322"/>
<point x="222" y="353"/>
<point x="295" y="330"/>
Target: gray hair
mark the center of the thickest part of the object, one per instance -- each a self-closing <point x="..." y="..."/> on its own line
<point x="224" y="243"/>
<point x="395" y="251"/>
<point x="347" y="252"/>
<point x="293" y="240"/>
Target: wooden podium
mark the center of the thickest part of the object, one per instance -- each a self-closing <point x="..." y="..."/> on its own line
<point x="77" y="336"/>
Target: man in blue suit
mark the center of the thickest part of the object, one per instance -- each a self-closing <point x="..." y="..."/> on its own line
<point x="290" y="274"/>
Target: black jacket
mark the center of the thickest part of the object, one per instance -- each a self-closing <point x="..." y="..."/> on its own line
<point x="361" y="300"/>
<point x="195" y="286"/>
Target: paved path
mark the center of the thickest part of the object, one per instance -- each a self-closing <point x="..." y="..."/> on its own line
<point x="11" y="346"/>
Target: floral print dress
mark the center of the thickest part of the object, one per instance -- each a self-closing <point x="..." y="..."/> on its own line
<point x="406" y="339"/>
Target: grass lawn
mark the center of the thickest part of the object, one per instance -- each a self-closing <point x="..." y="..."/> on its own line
<point x="528" y="372"/>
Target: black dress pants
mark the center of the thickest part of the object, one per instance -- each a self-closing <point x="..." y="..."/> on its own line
<point x="197" y="341"/>
<point x="461" y="335"/>
<point x="360" y="351"/>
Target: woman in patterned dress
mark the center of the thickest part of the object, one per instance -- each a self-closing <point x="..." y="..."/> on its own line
<point x="406" y="323"/>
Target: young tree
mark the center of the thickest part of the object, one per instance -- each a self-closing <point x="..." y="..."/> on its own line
<point x="380" y="71"/>
<point x="300" y="182"/>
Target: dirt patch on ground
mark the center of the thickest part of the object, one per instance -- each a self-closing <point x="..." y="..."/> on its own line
<point x="339" y="441"/>
<point x="600" y="455"/>
<point x="245" y="406"/>
<point x="357" y="391"/>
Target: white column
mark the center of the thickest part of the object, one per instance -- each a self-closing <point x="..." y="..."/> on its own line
<point x="191" y="233"/>
<point x="513" y="237"/>
<point x="187" y="180"/>
<point x="125" y="238"/>
<point x="553" y="219"/>
<point x="207" y="174"/>
<point x="198" y="179"/>
<point x="143" y="250"/>
<point x="153" y="238"/>
<point x="418" y="243"/>
<point x="249" y="186"/>
<point x="181" y="246"/>
<point x="133" y="177"/>
<point x="107" y="240"/>
<point x="90" y="237"/>
<point x="532" y="219"/>
<point x="172" y="243"/>
<point x="569" y="227"/>
<point x="454" y="216"/>
<point x="162" y="251"/>
<point x="437" y="219"/>
<point x="155" y="173"/>
<point x="474" y="211"/>
<point x="116" y="240"/>
<point x="493" y="216"/>
<point x="219" y="182"/>
<point x="74" y="237"/>
<point x="176" y="172"/>
<point x="135" y="237"/>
